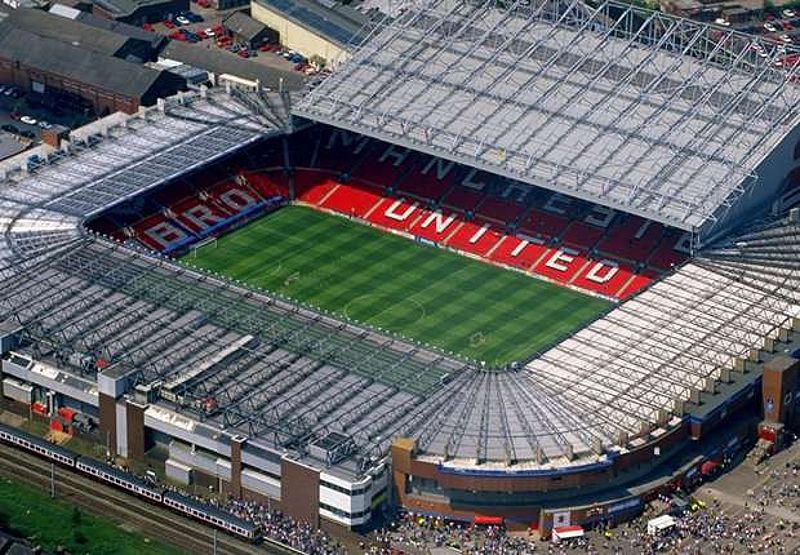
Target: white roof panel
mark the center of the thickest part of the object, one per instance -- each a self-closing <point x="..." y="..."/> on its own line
<point x="644" y="112"/>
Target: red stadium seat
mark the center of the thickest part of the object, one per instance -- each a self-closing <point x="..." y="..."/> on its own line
<point x="499" y="210"/>
<point x="582" y="235"/>
<point x="463" y="198"/>
<point x="475" y="237"/>
<point x="518" y="252"/>
<point x="352" y="200"/>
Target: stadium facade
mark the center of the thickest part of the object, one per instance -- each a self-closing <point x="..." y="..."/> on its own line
<point x="683" y="124"/>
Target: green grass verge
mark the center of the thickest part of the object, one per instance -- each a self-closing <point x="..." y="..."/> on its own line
<point x="30" y="513"/>
<point x="434" y="296"/>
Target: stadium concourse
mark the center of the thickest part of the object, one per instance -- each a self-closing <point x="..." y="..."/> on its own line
<point x="332" y="419"/>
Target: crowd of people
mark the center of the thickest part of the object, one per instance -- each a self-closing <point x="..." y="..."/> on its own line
<point x="411" y="533"/>
<point x="275" y="525"/>
<point x="700" y="529"/>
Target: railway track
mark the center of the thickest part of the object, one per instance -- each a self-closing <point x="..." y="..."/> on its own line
<point x="98" y="498"/>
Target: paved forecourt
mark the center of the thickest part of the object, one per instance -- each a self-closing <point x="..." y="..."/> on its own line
<point x="473" y="309"/>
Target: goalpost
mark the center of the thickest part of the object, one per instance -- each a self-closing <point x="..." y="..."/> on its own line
<point x="203" y="243"/>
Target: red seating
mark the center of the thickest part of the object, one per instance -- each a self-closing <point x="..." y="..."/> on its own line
<point x="605" y="276"/>
<point x="561" y="264"/>
<point x="666" y="257"/>
<point x="463" y="198"/>
<point x="638" y="283"/>
<point x="632" y="240"/>
<point x="500" y="210"/>
<point x="436" y="226"/>
<point x="312" y="185"/>
<point x="268" y="185"/>
<point x="582" y="235"/>
<point x="382" y="174"/>
<point x="353" y="200"/>
<point x="518" y="252"/>
<point x="157" y="233"/>
<point x="426" y="186"/>
<point x="398" y="214"/>
<point x="195" y="214"/>
<point x="475" y="237"/>
<point x="544" y="224"/>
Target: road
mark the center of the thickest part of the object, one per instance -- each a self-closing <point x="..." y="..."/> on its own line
<point x="117" y="506"/>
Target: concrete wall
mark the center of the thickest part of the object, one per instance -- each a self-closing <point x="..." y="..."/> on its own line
<point x="294" y="37"/>
<point x="772" y="173"/>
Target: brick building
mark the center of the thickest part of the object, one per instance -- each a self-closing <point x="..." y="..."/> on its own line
<point x="43" y="65"/>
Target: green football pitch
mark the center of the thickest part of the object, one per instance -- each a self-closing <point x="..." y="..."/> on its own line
<point x="433" y="296"/>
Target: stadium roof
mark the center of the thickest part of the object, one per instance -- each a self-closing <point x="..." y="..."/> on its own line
<point x="287" y="375"/>
<point x="109" y="163"/>
<point x="651" y="114"/>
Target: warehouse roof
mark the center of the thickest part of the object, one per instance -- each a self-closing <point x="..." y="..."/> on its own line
<point x="76" y="62"/>
<point x="243" y="25"/>
<point x="48" y="25"/>
<point x="339" y="24"/>
<point x="126" y="7"/>
<point x="220" y="62"/>
<point x="155" y="40"/>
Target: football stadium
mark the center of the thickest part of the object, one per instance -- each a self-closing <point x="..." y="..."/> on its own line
<point x="530" y="263"/>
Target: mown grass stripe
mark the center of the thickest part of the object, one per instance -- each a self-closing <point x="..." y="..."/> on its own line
<point x="433" y="296"/>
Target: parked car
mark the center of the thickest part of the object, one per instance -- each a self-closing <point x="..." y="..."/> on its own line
<point x="209" y="32"/>
<point x="27" y="134"/>
<point x="168" y="24"/>
<point x="722" y="21"/>
<point x="10" y="128"/>
<point x="182" y="20"/>
<point x="44" y="124"/>
<point x="28" y="119"/>
<point x="15" y="115"/>
<point x="770" y="27"/>
<point x="243" y="52"/>
<point x="789" y="14"/>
